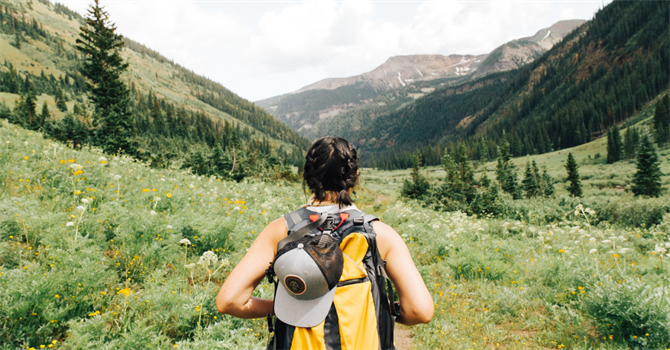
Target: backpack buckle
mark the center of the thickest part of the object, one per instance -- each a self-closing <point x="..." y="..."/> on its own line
<point x="359" y="221"/>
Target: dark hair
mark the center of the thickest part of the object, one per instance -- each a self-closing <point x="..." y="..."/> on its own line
<point x="331" y="165"/>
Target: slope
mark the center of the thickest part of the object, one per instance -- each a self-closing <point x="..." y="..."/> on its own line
<point x="37" y="41"/>
<point x="309" y="109"/>
<point x="597" y="76"/>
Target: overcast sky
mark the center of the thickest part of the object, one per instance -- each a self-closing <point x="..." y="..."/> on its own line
<point x="260" y="49"/>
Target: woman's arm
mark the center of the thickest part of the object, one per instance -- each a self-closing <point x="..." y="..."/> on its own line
<point x="235" y="295"/>
<point x="416" y="303"/>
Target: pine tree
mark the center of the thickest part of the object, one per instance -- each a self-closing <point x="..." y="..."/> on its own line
<point x="506" y="172"/>
<point x="418" y="186"/>
<point x="44" y="116"/>
<point x="17" y="40"/>
<point x="631" y="140"/>
<point x="575" y="186"/>
<point x="647" y="179"/>
<point x="102" y="65"/>
<point x="26" y="110"/>
<point x="662" y="120"/>
<point x="530" y="183"/>
<point x="60" y="101"/>
<point x="614" y="149"/>
<point x="547" y="184"/>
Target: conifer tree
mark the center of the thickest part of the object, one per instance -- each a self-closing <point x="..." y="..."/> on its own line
<point x="418" y="186"/>
<point x="631" y="140"/>
<point x="44" y="116"/>
<point x="614" y="149"/>
<point x="647" y="179"/>
<point x="26" y="110"/>
<point x="102" y="66"/>
<point x="506" y="173"/>
<point x="547" y="184"/>
<point x="662" y="120"/>
<point x="530" y="183"/>
<point x="60" y="101"/>
<point x="575" y="184"/>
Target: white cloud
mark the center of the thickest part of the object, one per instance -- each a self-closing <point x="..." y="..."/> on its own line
<point x="261" y="50"/>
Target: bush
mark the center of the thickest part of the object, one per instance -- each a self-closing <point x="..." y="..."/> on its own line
<point x="631" y="312"/>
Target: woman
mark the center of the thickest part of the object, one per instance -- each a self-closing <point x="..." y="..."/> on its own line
<point x="331" y="172"/>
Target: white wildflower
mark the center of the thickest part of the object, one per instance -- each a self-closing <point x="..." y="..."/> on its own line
<point x="153" y="213"/>
<point x="236" y="208"/>
<point x="607" y="241"/>
<point x="624" y="250"/>
<point x="169" y="227"/>
<point x="102" y="159"/>
<point x="225" y="262"/>
<point x="593" y="251"/>
<point x="208" y="258"/>
<point x="76" y="166"/>
<point x="81" y="209"/>
<point x="189" y="266"/>
<point x="185" y="241"/>
<point x="117" y="177"/>
<point x="157" y="199"/>
<point x="84" y="200"/>
<point x="71" y="223"/>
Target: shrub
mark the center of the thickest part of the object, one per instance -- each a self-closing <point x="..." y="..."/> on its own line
<point x="631" y="312"/>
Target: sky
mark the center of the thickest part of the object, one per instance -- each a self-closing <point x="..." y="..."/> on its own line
<point x="264" y="48"/>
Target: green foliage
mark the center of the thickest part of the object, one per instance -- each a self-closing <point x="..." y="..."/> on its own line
<point x="561" y="100"/>
<point x="418" y="186"/>
<point x="647" y="179"/>
<point x="102" y="66"/>
<point x="614" y="145"/>
<point x="575" y="184"/>
<point x="506" y="171"/>
<point x="662" y="120"/>
<point x="632" y="140"/>
<point x="531" y="188"/>
<point x="629" y="311"/>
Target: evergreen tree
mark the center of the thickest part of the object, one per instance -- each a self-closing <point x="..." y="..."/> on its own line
<point x="614" y="149"/>
<point x="506" y="172"/>
<point x="647" y="179"/>
<point x="25" y="111"/>
<point x="17" y="40"/>
<point x="530" y="183"/>
<point x="575" y="186"/>
<point x="484" y="151"/>
<point x="44" y="116"/>
<point x="662" y="120"/>
<point x="418" y="186"/>
<point x="60" y="101"/>
<point x="547" y="184"/>
<point x="631" y="140"/>
<point x="102" y="65"/>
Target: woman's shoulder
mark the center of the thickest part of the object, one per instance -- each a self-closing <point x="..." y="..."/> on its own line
<point x="387" y="238"/>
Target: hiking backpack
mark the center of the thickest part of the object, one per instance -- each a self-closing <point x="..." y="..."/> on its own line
<point x="363" y="312"/>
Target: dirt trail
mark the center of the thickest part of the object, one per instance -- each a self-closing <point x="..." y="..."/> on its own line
<point x="402" y="337"/>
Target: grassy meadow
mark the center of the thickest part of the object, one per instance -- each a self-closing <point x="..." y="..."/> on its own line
<point x="90" y="256"/>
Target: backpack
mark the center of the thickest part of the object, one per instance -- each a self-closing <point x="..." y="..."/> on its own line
<point x="363" y="311"/>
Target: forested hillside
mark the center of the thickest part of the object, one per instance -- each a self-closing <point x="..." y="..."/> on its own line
<point x="598" y="76"/>
<point x="177" y="114"/>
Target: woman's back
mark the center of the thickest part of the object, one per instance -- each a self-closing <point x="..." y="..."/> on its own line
<point x="350" y="317"/>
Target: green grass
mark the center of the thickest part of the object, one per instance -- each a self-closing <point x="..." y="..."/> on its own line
<point x="116" y="277"/>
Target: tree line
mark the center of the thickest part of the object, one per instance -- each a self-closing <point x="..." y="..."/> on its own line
<point x="122" y="119"/>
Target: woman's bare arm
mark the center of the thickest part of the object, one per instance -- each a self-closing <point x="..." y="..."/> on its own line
<point x="416" y="303"/>
<point x="235" y="295"/>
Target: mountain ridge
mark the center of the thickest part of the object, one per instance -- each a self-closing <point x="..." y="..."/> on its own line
<point x="304" y="108"/>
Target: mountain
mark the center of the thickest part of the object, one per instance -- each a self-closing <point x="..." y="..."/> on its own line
<point x="599" y="75"/>
<point x="413" y="75"/>
<point x="176" y="111"/>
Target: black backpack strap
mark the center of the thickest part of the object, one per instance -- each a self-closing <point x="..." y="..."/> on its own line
<point x="303" y="231"/>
